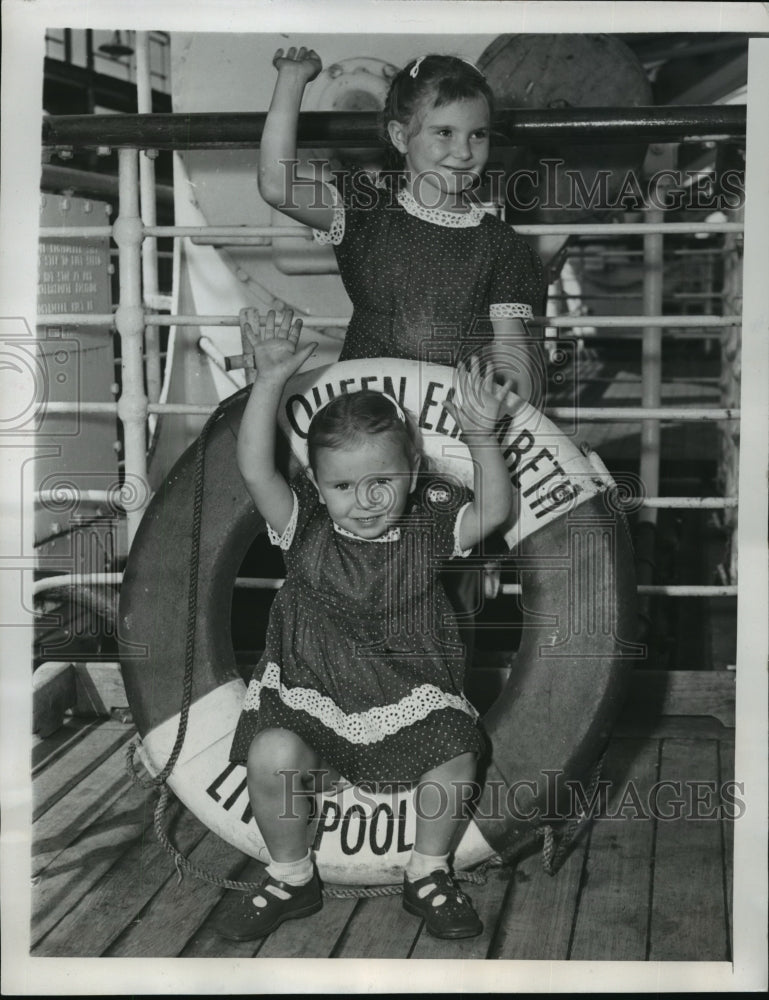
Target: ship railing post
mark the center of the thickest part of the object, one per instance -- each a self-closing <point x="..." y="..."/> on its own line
<point x="651" y="357"/>
<point x="651" y="397"/>
<point x="149" y="217"/>
<point x="129" y="319"/>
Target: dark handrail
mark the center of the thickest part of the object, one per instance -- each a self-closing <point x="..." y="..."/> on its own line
<point x="236" y="130"/>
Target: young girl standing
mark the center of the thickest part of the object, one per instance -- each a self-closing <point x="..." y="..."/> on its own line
<point x="431" y="275"/>
<point x="362" y="673"/>
<point x="426" y="267"/>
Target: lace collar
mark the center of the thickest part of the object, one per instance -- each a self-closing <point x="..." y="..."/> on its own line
<point x="439" y="216"/>
<point x="393" y="535"/>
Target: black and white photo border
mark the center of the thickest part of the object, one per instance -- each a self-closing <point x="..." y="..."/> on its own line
<point x="23" y="31"/>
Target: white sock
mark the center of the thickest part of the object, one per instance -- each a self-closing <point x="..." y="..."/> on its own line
<point x="420" y="865"/>
<point x="292" y="872"/>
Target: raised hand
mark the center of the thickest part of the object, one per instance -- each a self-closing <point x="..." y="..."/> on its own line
<point x="476" y="405"/>
<point x="303" y="62"/>
<point x="478" y="398"/>
<point x="276" y="357"/>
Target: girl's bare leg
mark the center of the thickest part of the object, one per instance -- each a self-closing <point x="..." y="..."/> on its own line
<point x="283" y="772"/>
<point x="429" y="890"/>
<point x="441" y="804"/>
<point x="280" y="782"/>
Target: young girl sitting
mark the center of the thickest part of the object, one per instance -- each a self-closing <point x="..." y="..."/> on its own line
<point x="362" y="674"/>
<point x="428" y="270"/>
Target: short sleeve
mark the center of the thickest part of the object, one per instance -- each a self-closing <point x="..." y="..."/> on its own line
<point x="444" y="501"/>
<point x="284" y="541"/>
<point x="458" y="550"/>
<point x="517" y="287"/>
<point x="335" y="234"/>
<point x="355" y="196"/>
<point x="306" y="506"/>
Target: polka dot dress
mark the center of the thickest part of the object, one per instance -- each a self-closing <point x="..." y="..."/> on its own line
<point x="424" y="281"/>
<point x="362" y="657"/>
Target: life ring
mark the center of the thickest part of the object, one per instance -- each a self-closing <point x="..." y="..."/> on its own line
<point x="548" y="726"/>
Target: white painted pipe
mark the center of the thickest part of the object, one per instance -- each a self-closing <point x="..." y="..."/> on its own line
<point x="663" y="503"/>
<point x="83" y="407"/>
<point x="268" y="583"/>
<point x="75" y="580"/>
<point x="629" y="228"/>
<point x="334" y="328"/>
<point x="621" y="414"/>
<point x="258" y="583"/>
<point x="571" y="229"/>
<point x="607" y="322"/>
<point x="575" y="229"/>
<point x="693" y="503"/>
<point x="238" y="232"/>
<point x="624" y="414"/>
<point x="52" y="232"/>
<point x="654" y="589"/>
<point x="237" y="241"/>
<point x="149" y="248"/>
<point x="210" y="349"/>
<point x="651" y="360"/>
<point x="677" y="503"/>
<point x="158" y="301"/>
<point x="64" y="493"/>
<point x="129" y="318"/>
<point x="592" y="252"/>
<point x="76" y="319"/>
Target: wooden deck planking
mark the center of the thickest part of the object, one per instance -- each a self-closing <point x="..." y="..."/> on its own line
<point x="64" y="774"/>
<point x="46" y="749"/>
<point x="381" y="928"/>
<point x="688" y="922"/>
<point x="613" y="907"/>
<point x="177" y="910"/>
<point x="314" y="937"/>
<point x="101" y="916"/>
<point x="110" y="889"/>
<point x="65" y="821"/>
<point x="537" y="919"/>
<point x="696" y="727"/>
<point x="78" y="868"/>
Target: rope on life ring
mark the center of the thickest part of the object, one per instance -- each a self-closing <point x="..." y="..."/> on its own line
<point x="150" y="691"/>
<point x="192" y="614"/>
<point x="553" y="854"/>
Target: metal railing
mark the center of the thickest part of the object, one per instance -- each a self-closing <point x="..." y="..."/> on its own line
<point x="135" y="231"/>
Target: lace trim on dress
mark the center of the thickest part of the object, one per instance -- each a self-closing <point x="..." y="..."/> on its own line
<point x="393" y="535"/>
<point x="439" y="216"/>
<point x="459" y="552"/>
<point x="506" y="310"/>
<point x="285" y="540"/>
<point x="335" y="234"/>
<point x="436" y="494"/>
<point x="364" y="728"/>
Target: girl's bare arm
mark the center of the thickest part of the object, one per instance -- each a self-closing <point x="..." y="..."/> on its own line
<point x="476" y="408"/>
<point x="518" y="355"/>
<point x="306" y="200"/>
<point x="276" y="359"/>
